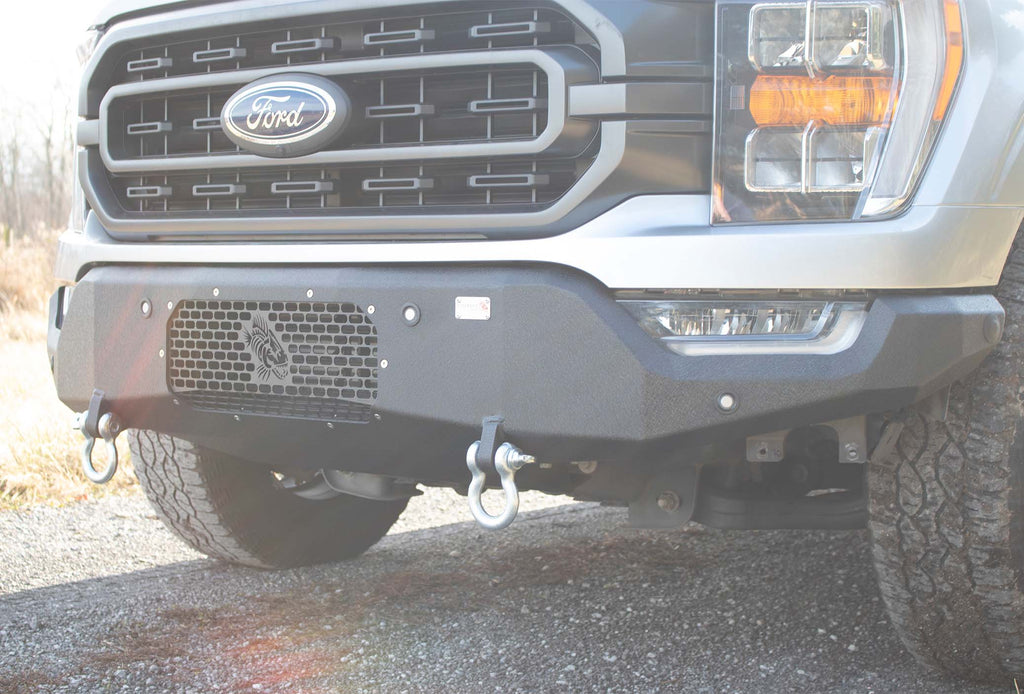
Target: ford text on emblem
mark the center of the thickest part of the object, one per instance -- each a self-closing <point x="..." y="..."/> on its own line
<point x="285" y="115"/>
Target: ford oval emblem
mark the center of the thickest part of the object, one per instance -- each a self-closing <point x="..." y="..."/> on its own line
<point x="285" y="115"/>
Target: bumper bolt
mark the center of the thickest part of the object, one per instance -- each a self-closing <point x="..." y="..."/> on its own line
<point x="411" y="314"/>
<point x="727" y="402"/>
<point x="993" y="329"/>
<point x="668" y="501"/>
<point x="147" y="308"/>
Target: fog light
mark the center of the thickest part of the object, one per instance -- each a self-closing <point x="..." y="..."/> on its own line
<point x="776" y="327"/>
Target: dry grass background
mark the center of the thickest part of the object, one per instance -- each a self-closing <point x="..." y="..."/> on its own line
<point x="39" y="453"/>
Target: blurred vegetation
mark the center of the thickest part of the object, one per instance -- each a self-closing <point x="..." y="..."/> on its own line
<point x="39" y="452"/>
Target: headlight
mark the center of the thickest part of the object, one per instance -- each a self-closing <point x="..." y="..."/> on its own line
<point x="828" y="109"/>
<point x="87" y="45"/>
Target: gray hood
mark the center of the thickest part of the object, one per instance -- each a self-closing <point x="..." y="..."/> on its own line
<point x="124" y="9"/>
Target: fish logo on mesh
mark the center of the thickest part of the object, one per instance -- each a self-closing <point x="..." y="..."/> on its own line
<point x="264" y="345"/>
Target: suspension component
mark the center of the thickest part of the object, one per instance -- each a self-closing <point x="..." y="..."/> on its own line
<point x="98" y="423"/>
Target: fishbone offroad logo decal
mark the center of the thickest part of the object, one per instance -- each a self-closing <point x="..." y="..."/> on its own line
<point x="266" y="348"/>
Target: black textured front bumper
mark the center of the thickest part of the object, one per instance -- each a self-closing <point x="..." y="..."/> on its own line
<point x="571" y="372"/>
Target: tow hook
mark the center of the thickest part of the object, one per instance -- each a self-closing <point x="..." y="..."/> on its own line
<point x="486" y="455"/>
<point x="98" y="423"/>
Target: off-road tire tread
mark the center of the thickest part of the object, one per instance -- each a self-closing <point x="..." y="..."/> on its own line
<point x="946" y="519"/>
<point x="231" y="510"/>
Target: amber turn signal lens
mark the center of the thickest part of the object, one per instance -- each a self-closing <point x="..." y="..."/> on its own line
<point x="835" y="100"/>
<point x="954" y="57"/>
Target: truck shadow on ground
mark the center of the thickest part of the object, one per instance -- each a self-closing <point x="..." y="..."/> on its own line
<point x="565" y="600"/>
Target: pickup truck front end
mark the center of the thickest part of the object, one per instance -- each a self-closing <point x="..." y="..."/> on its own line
<point x="689" y="257"/>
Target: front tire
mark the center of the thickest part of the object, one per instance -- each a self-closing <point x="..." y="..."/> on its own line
<point x="947" y="514"/>
<point x="237" y="512"/>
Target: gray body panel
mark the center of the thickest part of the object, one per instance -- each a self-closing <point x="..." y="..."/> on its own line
<point x="956" y="234"/>
<point x="655" y="242"/>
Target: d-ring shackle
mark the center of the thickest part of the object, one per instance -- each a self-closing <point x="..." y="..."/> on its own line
<point x="109" y="428"/>
<point x="507" y="461"/>
<point x="95" y="424"/>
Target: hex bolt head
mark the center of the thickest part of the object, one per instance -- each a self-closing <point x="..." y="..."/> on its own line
<point x="371" y="309"/>
<point x="309" y="293"/>
<point x="668" y="501"/>
<point x="330" y="425"/>
<point x="384" y="363"/>
<point x="852" y="452"/>
<point x="216" y="291"/>
<point x="146" y="307"/>
<point x="237" y="418"/>
<point x="170" y="305"/>
<point x="162" y="352"/>
<point x="376" y="417"/>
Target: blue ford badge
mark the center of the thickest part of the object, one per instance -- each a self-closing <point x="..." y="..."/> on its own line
<point x="285" y="115"/>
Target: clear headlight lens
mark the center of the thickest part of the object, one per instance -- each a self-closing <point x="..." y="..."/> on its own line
<point x="87" y="45"/>
<point x="827" y="109"/>
<point x="724" y="326"/>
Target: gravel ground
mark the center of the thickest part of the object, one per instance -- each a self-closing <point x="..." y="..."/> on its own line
<point x="99" y="597"/>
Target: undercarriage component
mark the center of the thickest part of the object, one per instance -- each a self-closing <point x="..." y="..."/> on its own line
<point x="327" y="484"/>
<point x="851" y="434"/>
<point x="668" y="500"/>
<point x="367" y="486"/>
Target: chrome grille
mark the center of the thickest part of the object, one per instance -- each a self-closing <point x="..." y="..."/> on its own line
<point x="298" y="359"/>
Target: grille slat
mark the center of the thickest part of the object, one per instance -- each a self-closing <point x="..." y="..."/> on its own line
<point x="293" y="46"/>
<point x="214" y="55"/>
<point x="288" y="359"/>
<point x="393" y="37"/>
<point x="144" y="65"/>
<point x="426" y="185"/>
<point x="308" y="40"/>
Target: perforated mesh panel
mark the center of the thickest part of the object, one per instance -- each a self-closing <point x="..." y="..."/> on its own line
<point x="289" y="359"/>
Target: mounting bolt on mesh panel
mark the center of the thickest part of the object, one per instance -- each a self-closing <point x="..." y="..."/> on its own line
<point x="307" y="360"/>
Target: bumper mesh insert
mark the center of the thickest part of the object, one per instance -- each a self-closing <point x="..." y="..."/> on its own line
<point x="287" y="359"/>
